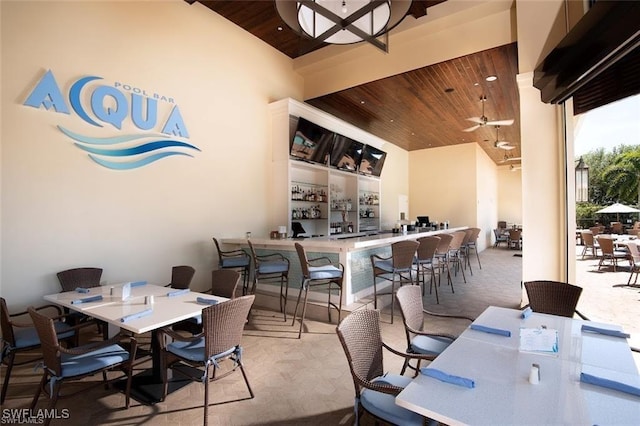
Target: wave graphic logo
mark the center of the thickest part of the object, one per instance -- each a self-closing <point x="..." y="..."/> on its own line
<point x="143" y="152"/>
<point x="112" y="105"/>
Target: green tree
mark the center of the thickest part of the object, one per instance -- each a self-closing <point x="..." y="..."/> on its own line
<point x="623" y="177"/>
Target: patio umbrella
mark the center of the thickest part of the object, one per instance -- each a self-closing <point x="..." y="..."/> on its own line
<point x="618" y="208"/>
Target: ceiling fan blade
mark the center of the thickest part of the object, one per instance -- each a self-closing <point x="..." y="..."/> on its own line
<point x="507" y="147"/>
<point x="478" y="120"/>
<point x="501" y="143"/>
<point x="472" y="128"/>
<point x="500" y="123"/>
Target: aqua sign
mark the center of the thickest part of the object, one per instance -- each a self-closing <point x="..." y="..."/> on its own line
<point x="111" y="106"/>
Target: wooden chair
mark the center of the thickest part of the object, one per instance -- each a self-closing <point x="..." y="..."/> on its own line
<point x="609" y="253"/>
<point x="590" y="244"/>
<point x="399" y="265"/>
<point x="617" y="228"/>
<point x="473" y="243"/>
<point x="375" y="391"/>
<point x="181" y="277"/>
<point x="63" y="365"/>
<point x="87" y="277"/>
<point x="219" y="342"/>
<point x="419" y="340"/>
<point x="634" y="260"/>
<point x="515" y="239"/>
<point x="20" y="337"/>
<point x="456" y="253"/>
<point x="318" y="272"/>
<point x="553" y="297"/>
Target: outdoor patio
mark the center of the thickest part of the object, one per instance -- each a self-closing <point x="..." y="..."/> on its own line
<point x="606" y="297"/>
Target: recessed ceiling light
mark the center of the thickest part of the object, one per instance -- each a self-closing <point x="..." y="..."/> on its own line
<point x="391" y="120"/>
<point x="279" y="28"/>
<point x="476" y="84"/>
<point x="362" y="102"/>
<point x="491" y="78"/>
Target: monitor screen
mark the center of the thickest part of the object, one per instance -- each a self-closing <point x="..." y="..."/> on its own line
<point x="372" y="161"/>
<point x="346" y="153"/>
<point x="311" y="142"/>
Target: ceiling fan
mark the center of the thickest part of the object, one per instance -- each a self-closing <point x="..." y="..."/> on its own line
<point x="502" y="144"/>
<point x="484" y="121"/>
<point x="513" y="167"/>
<point x="509" y="158"/>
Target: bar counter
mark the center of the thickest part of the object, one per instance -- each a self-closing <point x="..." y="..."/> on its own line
<point x="352" y="250"/>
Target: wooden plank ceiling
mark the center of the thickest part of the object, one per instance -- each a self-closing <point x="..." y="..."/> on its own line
<point x="420" y="109"/>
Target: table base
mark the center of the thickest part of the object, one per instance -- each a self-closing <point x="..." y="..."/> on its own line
<point x="147" y="388"/>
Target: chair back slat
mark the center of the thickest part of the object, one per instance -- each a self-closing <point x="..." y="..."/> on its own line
<point x="445" y="242"/>
<point x="223" y="324"/>
<point x="48" y="341"/>
<point x="403" y="253"/>
<point x="428" y="246"/>
<point x="181" y="276"/>
<point x="304" y="263"/>
<point x="359" y="334"/>
<point x="553" y="297"/>
<point x="5" y="323"/>
<point x="224" y="282"/>
<point x="71" y="279"/>
<point x="409" y="298"/>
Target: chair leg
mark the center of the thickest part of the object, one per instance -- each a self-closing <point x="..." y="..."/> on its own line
<point x="206" y="396"/>
<point x="295" y="311"/>
<point x="432" y="282"/>
<point x="285" y="295"/>
<point x="11" y="357"/>
<point x="246" y="380"/>
<point x="304" y="310"/>
<point x="53" y="399"/>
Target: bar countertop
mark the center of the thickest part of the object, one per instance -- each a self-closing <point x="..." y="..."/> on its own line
<point x="343" y="242"/>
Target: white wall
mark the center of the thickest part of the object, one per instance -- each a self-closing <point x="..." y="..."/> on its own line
<point x="62" y="210"/>
<point x="509" y="195"/>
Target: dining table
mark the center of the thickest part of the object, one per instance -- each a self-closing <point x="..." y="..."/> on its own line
<point x="520" y="367"/>
<point x="138" y="307"/>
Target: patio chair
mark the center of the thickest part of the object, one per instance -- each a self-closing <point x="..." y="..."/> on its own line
<point x="63" y="365"/>
<point x="318" y="272"/>
<point x="590" y="244"/>
<point x="634" y="254"/>
<point x="19" y="337"/>
<point x="420" y="341"/>
<point x="473" y="243"/>
<point x="553" y="297"/>
<point x="515" y="239"/>
<point x="609" y="253"/>
<point x="85" y="277"/>
<point x="617" y="228"/>
<point x="220" y="341"/>
<point x="375" y="391"/>
<point x="270" y="269"/>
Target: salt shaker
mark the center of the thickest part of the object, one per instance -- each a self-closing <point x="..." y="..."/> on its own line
<point x="534" y="374"/>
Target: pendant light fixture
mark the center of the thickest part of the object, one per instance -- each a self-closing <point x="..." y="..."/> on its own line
<point x="343" y="21"/>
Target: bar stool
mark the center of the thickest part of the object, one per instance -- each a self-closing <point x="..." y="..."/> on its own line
<point x="318" y="272"/>
<point x="237" y="260"/>
<point x="271" y="268"/>
<point x="427" y="263"/>
<point x="400" y="264"/>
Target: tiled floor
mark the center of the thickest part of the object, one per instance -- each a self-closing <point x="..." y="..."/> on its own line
<point x="307" y="381"/>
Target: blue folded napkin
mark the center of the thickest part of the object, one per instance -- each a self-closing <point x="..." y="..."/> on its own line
<point x="611" y="384"/>
<point x="136" y="315"/>
<point x="177" y="292"/>
<point x="82" y="290"/>
<point x="205" y="301"/>
<point x="138" y="283"/>
<point x="448" y="378"/>
<point x="491" y="330"/>
<point x="87" y="299"/>
<point x="526" y="313"/>
<point x="614" y="333"/>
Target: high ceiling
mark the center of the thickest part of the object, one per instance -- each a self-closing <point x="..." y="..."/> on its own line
<point x="419" y="109"/>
